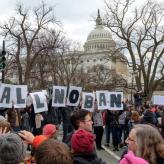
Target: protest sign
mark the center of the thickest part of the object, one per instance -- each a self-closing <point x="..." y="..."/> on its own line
<point x="59" y="96"/>
<point x="88" y="101"/>
<point x="73" y="98"/>
<point x="39" y="102"/>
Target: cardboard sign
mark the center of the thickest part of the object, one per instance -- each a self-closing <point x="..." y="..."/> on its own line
<point x="19" y="96"/>
<point x="13" y="95"/>
<point x="39" y="102"/>
<point x="5" y="96"/>
<point x="59" y="96"/>
<point x="158" y="100"/>
<point x="73" y="98"/>
<point x="88" y="100"/>
<point x="115" y="100"/>
<point x="102" y="100"/>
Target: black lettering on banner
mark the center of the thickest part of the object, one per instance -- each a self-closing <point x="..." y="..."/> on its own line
<point x="19" y="96"/>
<point x="38" y="103"/>
<point x="59" y="96"/>
<point x="88" y="101"/>
<point x="73" y="96"/>
<point x="6" y="95"/>
<point x="102" y="99"/>
<point x="115" y="100"/>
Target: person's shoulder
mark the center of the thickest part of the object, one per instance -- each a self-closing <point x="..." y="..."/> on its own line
<point x="160" y="160"/>
<point x="80" y="160"/>
<point x="98" y="161"/>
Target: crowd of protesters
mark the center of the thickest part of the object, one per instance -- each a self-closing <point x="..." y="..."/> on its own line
<point x="138" y="127"/>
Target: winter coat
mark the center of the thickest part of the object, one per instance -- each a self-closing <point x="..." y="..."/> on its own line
<point x="11" y="117"/>
<point x="52" y="116"/>
<point x="160" y="160"/>
<point x="130" y="158"/>
<point x="111" y="118"/>
<point x="25" y="122"/>
<point x="149" y="118"/>
<point x="65" y="113"/>
<point x="161" y="126"/>
<point x="87" y="158"/>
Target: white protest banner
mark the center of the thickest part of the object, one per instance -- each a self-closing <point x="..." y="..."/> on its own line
<point x="45" y="92"/>
<point x="39" y="102"/>
<point x="158" y="100"/>
<point x="5" y="96"/>
<point x="19" y="96"/>
<point x="88" y="100"/>
<point x="102" y="100"/>
<point x="59" y="96"/>
<point x="73" y="98"/>
<point x="115" y="100"/>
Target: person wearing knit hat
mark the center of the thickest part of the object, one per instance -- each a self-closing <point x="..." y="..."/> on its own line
<point x="29" y="138"/>
<point x="82" y="141"/>
<point x="38" y="140"/>
<point x="82" y="144"/>
<point x="12" y="149"/>
<point x="49" y="130"/>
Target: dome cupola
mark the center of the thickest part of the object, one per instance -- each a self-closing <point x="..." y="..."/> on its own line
<point x="99" y="38"/>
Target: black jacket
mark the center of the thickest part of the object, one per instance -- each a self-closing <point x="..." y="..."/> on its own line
<point x="160" y="160"/>
<point x="87" y="158"/>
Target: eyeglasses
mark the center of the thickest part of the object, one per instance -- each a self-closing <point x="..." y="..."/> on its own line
<point x="86" y="120"/>
<point x="130" y="139"/>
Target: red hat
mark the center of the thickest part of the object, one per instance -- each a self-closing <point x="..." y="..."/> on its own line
<point x="82" y="141"/>
<point x="49" y="130"/>
<point x="38" y="140"/>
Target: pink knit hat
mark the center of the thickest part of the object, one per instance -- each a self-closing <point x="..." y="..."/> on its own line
<point x="49" y="130"/>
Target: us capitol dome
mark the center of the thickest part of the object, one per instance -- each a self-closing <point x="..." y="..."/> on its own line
<point x="99" y="49"/>
<point x="99" y="38"/>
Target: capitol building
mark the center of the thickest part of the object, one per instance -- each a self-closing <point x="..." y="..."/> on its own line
<point x="100" y="54"/>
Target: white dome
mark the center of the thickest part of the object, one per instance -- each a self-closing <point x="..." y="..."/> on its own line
<point x="99" y="38"/>
<point x="99" y="33"/>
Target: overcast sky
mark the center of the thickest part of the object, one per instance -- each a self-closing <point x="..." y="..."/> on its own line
<point x="76" y="16"/>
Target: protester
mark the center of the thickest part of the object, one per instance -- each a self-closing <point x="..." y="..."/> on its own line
<point x="161" y="123"/>
<point x="115" y="130"/>
<point x="53" y="115"/>
<point x="130" y="158"/>
<point x="107" y="116"/>
<point x="50" y="130"/>
<point x="65" y="113"/>
<point x="14" y="118"/>
<point x="12" y="149"/>
<point x="149" y="117"/>
<point x="146" y="142"/>
<point x="134" y="119"/>
<point x="80" y="119"/>
<point x="35" y="141"/>
<point x="53" y="152"/>
<point x="121" y="121"/>
<point x="82" y="145"/>
<point x="98" y="127"/>
<point x="25" y="120"/>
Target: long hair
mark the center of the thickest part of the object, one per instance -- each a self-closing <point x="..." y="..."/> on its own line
<point x="150" y="143"/>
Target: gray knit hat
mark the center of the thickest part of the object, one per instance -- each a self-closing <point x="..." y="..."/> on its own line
<point x="12" y="149"/>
